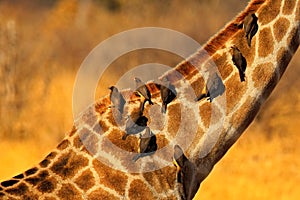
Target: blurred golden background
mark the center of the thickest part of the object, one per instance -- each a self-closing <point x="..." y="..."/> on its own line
<point x="43" y="43"/>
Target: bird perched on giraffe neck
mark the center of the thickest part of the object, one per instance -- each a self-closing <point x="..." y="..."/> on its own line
<point x="142" y="90"/>
<point x="167" y="93"/>
<point x="117" y="99"/>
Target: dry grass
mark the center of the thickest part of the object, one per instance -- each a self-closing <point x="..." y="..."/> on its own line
<point x="43" y="43"/>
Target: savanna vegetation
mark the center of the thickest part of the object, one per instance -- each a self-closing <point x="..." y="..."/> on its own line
<point x="43" y="43"/>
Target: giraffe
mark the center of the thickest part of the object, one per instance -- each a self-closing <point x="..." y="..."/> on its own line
<point x="83" y="166"/>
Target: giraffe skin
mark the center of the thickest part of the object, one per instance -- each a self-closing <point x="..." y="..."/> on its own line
<point x="86" y="166"/>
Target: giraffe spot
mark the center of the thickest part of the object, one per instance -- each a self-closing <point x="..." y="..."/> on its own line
<point x="234" y="91"/>
<point x="44" y="163"/>
<point x="34" y="180"/>
<point x="47" y="185"/>
<point x="31" y="171"/>
<point x="174" y="118"/>
<point x="198" y="85"/>
<point x="68" y="164"/>
<point x="205" y="113"/>
<point x="63" y="145"/>
<point x="77" y="143"/>
<point x="19" y="190"/>
<point x="297" y="15"/>
<point x="139" y="190"/>
<point x="280" y="28"/>
<point x="269" y="12"/>
<point x="283" y="58"/>
<point x="20" y="176"/>
<point x="68" y="192"/>
<point x="288" y="7"/>
<point x="91" y="143"/>
<point x="95" y="195"/>
<point x="162" y="180"/>
<point x="110" y="177"/>
<point x="101" y="127"/>
<point x="51" y="155"/>
<point x="86" y="180"/>
<point x="245" y="114"/>
<point x="30" y="197"/>
<point x="73" y="131"/>
<point x="9" y="183"/>
<point x="129" y="145"/>
<point x="161" y="141"/>
<point x="224" y="68"/>
<point x="186" y="68"/>
<point x="89" y="117"/>
<point x="262" y="74"/>
<point x="49" y="198"/>
<point x="266" y="42"/>
<point x="294" y="40"/>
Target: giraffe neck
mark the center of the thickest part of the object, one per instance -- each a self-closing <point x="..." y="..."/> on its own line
<point x="93" y="161"/>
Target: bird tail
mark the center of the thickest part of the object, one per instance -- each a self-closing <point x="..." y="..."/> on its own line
<point x="242" y="76"/>
<point x="201" y="97"/>
<point x="150" y="102"/>
<point x="124" y="136"/>
<point x="136" y="157"/>
<point x="164" y="108"/>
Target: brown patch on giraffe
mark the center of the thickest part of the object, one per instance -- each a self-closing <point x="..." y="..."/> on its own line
<point x="234" y="92"/>
<point x="101" y="127"/>
<point x="101" y="105"/>
<point x="240" y="115"/>
<point x="68" y="191"/>
<point x="174" y="115"/>
<point x="9" y="183"/>
<point x="49" y="198"/>
<point x="100" y="193"/>
<point x="161" y="141"/>
<point x="205" y="113"/>
<point x="294" y="39"/>
<point x="269" y="12"/>
<point x="266" y="42"/>
<point x="19" y="190"/>
<point x="171" y="197"/>
<point x="115" y="137"/>
<point x="44" y="163"/>
<point x="77" y="143"/>
<point x="288" y="7"/>
<point x="138" y="190"/>
<point x="19" y="176"/>
<point x="280" y="28"/>
<point x="297" y="15"/>
<point x="192" y="74"/>
<point x="283" y="58"/>
<point x="262" y="74"/>
<point x="198" y="85"/>
<point x="186" y="68"/>
<point x="110" y="177"/>
<point x="31" y="171"/>
<point x="63" y="145"/>
<point x="196" y="140"/>
<point x="86" y="180"/>
<point x="47" y="185"/>
<point x="34" y="180"/>
<point x="159" y="180"/>
<point x="68" y="164"/>
<point x="89" y="116"/>
<point x="91" y="143"/>
<point x="73" y="131"/>
<point x="224" y="67"/>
